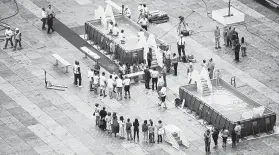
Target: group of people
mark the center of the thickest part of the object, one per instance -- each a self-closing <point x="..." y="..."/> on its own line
<point x="143" y="16"/>
<point x="13" y="35"/>
<point x="110" y="122"/>
<point x="224" y="133"/>
<point x="47" y="18"/>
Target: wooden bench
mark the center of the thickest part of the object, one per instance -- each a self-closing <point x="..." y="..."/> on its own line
<point x="131" y="75"/>
<point x="63" y="61"/>
<point x="90" y="53"/>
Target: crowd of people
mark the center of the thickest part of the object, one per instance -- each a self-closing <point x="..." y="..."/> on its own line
<point x="110" y="122"/>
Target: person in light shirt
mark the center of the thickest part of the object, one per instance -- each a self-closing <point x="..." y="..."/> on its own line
<point x="110" y="27"/>
<point x="115" y="30"/>
<point x="163" y="95"/>
<point x="44" y="18"/>
<point x="119" y="85"/>
<point x="110" y="82"/>
<point x="161" y="83"/>
<point x="143" y="22"/>
<point x="154" y="76"/>
<point x="9" y="35"/>
<point x="90" y="78"/>
<point x="114" y="75"/>
<point x="126" y="83"/>
<point x="103" y="84"/>
<point x="127" y="12"/>
<point x="96" y="79"/>
<point x="122" y="37"/>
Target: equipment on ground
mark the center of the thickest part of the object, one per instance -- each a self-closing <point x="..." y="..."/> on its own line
<point x="49" y="85"/>
<point x="158" y="17"/>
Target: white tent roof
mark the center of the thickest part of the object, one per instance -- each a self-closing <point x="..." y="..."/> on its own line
<point x="109" y="13"/>
<point x="99" y="12"/>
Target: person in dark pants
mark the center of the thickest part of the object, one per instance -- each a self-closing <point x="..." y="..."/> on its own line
<point x="154" y="75"/>
<point x="229" y="37"/>
<point x="207" y="140"/>
<point x="215" y="136"/>
<point x="103" y="114"/>
<point x="17" y="38"/>
<point x="175" y="63"/>
<point x="149" y="57"/>
<point x="136" y="129"/>
<point x="164" y="74"/>
<point x="147" y="76"/>
<point x="9" y="37"/>
<point x="181" y="46"/>
<point x="77" y="74"/>
<point x="236" y="50"/>
<point x="233" y="134"/>
<point x="44" y="18"/>
<point x="50" y="23"/>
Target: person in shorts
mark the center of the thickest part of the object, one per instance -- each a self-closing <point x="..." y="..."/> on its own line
<point x="96" y="79"/>
<point x="126" y="83"/>
<point x="119" y="85"/>
<point x="163" y="95"/>
<point x="110" y="85"/>
<point x="103" y="85"/>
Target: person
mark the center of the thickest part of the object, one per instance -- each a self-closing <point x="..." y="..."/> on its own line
<point x="119" y="85"/>
<point x="17" y="36"/>
<point x="236" y="49"/>
<point x="127" y="11"/>
<point x="217" y="35"/>
<point x="44" y="18"/>
<point x="234" y="37"/>
<point x="110" y="27"/>
<point x="145" y="131"/>
<point x="114" y="75"/>
<point x="122" y="37"/>
<point x="164" y="74"/>
<point x="121" y="127"/>
<point x="143" y="22"/>
<point x="243" y="46"/>
<point x="147" y="77"/>
<point x="50" y="11"/>
<point x="210" y="67"/>
<point x="115" y="30"/>
<point x="151" y="130"/>
<point x="96" y="80"/>
<point x="103" y="114"/>
<point x="140" y="34"/>
<point x="229" y="37"/>
<point x="108" y="120"/>
<point x="225" y="33"/>
<point x="126" y="83"/>
<point x="50" y="23"/>
<point x="161" y="83"/>
<point x="136" y="129"/>
<point x="181" y="46"/>
<point x="160" y="132"/>
<point x="77" y="74"/>
<point x="237" y="130"/>
<point x="215" y="136"/>
<point x="190" y="70"/>
<point x="167" y="54"/>
<point x="115" y="124"/>
<point x="225" y="135"/>
<point x="145" y="9"/>
<point x="207" y="140"/>
<point x="110" y="83"/>
<point x="103" y="84"/>
<point x="135" y="70"/>
<point x="175" y="63"/>
<point x="162" y="95"/>
<point x="9" y="36"/>
<point x="149" y="57"/>
<point x="234" y="137"/>
<point x="154" y="76"/>
<point x="97" y="114"/>
<point x="129" y="129"/>
<point x="90" y="75"/>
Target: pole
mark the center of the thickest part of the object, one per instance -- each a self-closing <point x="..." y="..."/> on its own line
<point x="229" y="8"/>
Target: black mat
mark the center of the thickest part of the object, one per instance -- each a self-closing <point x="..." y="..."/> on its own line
<point x="78" y="42"/>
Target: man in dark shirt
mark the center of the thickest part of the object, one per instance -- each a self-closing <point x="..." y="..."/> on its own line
<point x="50" y="23"/>
<point x="149" y="57"/>
<point x="147" y="76"/>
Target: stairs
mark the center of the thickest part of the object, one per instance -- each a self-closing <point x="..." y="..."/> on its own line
<point x="205" y="89"/>
<point x="177" y="138"/>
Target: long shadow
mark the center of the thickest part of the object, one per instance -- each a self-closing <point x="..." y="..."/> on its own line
<point x="78" y="42"/>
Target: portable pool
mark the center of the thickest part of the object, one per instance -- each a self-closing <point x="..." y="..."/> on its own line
<point x="225" y="106"/>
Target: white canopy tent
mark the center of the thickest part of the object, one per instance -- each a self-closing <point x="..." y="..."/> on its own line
<point x="143" y="44"/>
<point x="109" y="13"/>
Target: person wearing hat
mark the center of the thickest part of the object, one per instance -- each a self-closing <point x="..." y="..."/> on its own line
<point x="127" y="12"/>
<point x="17" y="38"/>
<point x="9" y="35"/>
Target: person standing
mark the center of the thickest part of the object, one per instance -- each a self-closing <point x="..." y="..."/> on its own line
<point x="225" y="33"/>
<point x="103" y="114"/>
<point x="149" y="57"/>
<point x="163" y="94"/>
<point x="207" y="140"/>
<point x="161" y="83"/>
<point x="126" y="83"/>
<point x="164" y="74"/>
<point x="215" y="136"/>
<point x="167" y="59"/>
<point x="90" y="76"/>
<point x="96" y="80"/>
<point x="129" y="129"/>
<point x="243" y="46"/>
<point x="234" y="138"/>
<point x="127" y="12"/>
<point x="136" y="129"/>
<point x="210" y="67"/>
<point x="237" y="130"/>
<point x="44" y="18"/>
<point x="9" y="36"/>
<point x="154" y="75"/>
<point x="50" y="11"/>
<point x="115" y="124"/>
<point x="121" y="127"/>
<point x="110" y="86"/>
<point x="77" y="74"/>
<point x="147" y="77"/>
<point x="160" y="132"/>
<point x="145" y="131"/>
<point x="97" y="114"/>
<point x="190" y="70"/>
<point x="217" y="35"/>
<point x="50" y="23"/>
<point x="229" y="37"/>
<point x="151" y="130"/>
<point x="225" y="135"/>
<point x="175" y="63"/>
<point x="144" y="22"/>
<point x="17" y="39"/>
<point x="236" y="49"/>
<point x="108" y="120"/>
<point x="119" y="85"/>
<point x="181" y="46"/>
<point x="103" y="84"/>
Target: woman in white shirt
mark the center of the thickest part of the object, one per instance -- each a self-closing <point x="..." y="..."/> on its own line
<point x="126" y="83"/>
<point x="163" y="95"/>
<point x="103" y="83"/>
<point x="119" y="85"/>
<point x="96" y="83"/>
<point x="110" y="86"/>
<point x="90" y="78"/>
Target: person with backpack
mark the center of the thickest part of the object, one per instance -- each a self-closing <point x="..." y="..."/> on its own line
<point x="207" y="140"/>
<point x="225" y="135"/>
<point x="145" y="131"/>
<point x="136" y="129"/>
<point x="151" y="130"/>
<point x="129" y="130"/>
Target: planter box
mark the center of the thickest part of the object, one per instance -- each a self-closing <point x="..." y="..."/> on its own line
<point x="222" y="16"/>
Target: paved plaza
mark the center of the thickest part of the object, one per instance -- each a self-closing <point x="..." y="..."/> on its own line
<point x="35" y="120"/>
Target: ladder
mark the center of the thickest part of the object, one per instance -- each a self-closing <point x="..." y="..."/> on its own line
<point x="205" y="89"/>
